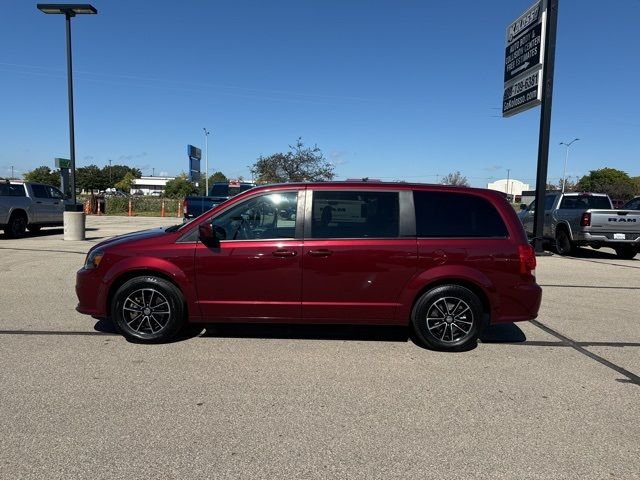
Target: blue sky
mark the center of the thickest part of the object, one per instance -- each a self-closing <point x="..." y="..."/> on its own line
<point x="392" y="89"/>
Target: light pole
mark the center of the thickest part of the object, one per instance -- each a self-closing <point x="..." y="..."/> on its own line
<point x="206" y="161"/>
<point x="69" y="11"/>
<point x="566" y="158"/>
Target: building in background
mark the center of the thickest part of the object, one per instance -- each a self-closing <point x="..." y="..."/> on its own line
<point x="511" y="187"/>
<point x="150" y="185"/>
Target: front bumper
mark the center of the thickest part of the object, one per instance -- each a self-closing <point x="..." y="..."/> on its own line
<point x="89" y="289"/>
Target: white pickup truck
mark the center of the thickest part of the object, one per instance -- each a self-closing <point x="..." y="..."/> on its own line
<point x="575" y="219"/>
<point x="29" y="206"/>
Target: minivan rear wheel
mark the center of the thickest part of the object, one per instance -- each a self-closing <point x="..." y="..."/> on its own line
<point x="447" y="317"/>
<point x="148" y="309"/>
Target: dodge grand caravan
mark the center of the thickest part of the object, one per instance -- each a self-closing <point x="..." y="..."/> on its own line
<point x="445" y="260"/>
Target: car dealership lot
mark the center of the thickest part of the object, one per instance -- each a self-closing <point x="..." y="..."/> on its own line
<point x="555" y="398"/>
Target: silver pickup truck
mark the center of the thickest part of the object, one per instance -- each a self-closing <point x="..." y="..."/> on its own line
<point x="575" y="219"/>
<point x="29" y="206"/>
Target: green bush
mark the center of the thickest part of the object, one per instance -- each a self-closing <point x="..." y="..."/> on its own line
<point x="142" y="205"/>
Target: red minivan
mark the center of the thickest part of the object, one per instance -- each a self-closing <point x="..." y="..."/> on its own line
<point x="447" y="260"/>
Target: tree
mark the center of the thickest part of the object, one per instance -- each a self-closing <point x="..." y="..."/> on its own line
<point x="299" y="164"/>
<point x="116" y="173"/>
<point x="179" y="187"/>
<point x="615" y="183"/>
<point x="91" y="178"/>
<point x="44" y="175"/>
<point x="636" y="182"/>
<point x="218" y="177"/>
<point x="126" y="184"/>
<point x="455" y="178"/>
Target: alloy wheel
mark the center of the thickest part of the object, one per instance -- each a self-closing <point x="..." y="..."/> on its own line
<point x="449" y="319"/>
<point x="146" y="311"/>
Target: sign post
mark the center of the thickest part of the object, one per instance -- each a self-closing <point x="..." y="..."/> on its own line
<point x="528" y="81"/>
<point x="545" y="124"/>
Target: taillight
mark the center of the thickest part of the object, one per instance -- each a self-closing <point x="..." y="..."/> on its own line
<point x="585" y="221"/>
<point x="184" y="209"/>
<point x="527" y="258"/>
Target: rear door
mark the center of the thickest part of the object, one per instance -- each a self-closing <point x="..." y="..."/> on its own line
<point x="42" y="204"/>
<point x="359" y="253"/>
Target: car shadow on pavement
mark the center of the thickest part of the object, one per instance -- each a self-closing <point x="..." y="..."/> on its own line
<point x="503" y="333"/>
<point x="604" y="253"/>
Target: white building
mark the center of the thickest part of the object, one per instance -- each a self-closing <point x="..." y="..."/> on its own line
<point x="148" y="185"/>
<point x="512" y="187"/>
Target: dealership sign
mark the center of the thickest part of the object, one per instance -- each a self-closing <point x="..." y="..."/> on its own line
<point x="524" y="45"/>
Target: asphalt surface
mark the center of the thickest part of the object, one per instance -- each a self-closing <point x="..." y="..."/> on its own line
<point x="552" y="399"/>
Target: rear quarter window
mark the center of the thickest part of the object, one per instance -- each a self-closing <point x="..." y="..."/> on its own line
<point x="448" y="214"/>
<point x="9" y="190"/>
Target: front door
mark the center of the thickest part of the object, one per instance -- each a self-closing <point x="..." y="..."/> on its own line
<point x="356" y="260"/>
<point x="256" y="273"/>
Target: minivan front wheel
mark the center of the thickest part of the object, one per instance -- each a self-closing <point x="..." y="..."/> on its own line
<point x="148" y="309"/>
<point x="447" y="317"/>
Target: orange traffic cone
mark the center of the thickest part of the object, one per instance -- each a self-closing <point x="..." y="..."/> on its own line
<point x="162" y="210"/>
<point x="130" y="209"/>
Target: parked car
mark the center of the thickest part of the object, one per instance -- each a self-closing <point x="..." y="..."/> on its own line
<point x="29" y="206"/>
<point x="447" y="260"/>
<point x="580" y="219"/>
<point x="194" y="206"/>
<point x="633" y="204"/>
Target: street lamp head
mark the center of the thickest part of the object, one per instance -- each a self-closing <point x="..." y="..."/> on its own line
<point x="70" y="9"/>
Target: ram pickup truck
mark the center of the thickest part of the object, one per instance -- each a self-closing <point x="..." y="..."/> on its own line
<point x="29" y="206"/>
<point x="586" y="219"/>
<point x="194" y="206"/>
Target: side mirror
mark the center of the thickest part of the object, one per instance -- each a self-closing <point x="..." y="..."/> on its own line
<point x="209" y="235"/>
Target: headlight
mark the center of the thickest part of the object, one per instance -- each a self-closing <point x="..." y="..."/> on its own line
<point x="93" y="259"/>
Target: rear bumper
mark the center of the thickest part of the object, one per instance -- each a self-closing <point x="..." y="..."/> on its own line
<point x="608" y="238"/>
<point x="520" y="303"/>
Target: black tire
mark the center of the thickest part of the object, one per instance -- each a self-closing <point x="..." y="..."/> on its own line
<point x="148" y="309"/>
<point x="563" y="243"/>
<point x="626" y="252"/>
<point x="442" y="308"/>
<point x="34" y="228"/>
<point x="17" y="225"/>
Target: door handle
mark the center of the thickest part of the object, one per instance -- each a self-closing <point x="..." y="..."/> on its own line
<point x="284" y="253"/>
<point x="38" y="201"/>
<point x="320" y="253"/>
<point x="56" y="203"/>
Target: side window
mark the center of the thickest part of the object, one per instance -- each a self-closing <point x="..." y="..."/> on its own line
<point x="446" y="214"/>
<point x="11" y="190"/>
<point x="548" y="202"/>
<point x="39" y="191"/>
<point x="344" y="214"/>
<point x="633" y="205"/>
<point x="269" y="216"/>
<point x="54" y="193"/>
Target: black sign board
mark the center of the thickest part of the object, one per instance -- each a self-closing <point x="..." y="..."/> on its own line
<point x="523" y="63"/>
<point x="522" y="94"/>
<point x="524" y="53"/>
<point x="194" y="152"/>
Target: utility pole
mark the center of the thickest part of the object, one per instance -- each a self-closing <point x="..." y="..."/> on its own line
<point x="153" y="172"/>
<point x="11" y="172"/>
<point x="206" y="160"/>
<point x="110" y="176"/>
<point x="566" y="158"/>
<point x="508" y="176"/>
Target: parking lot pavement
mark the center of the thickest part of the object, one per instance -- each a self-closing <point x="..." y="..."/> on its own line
<point x="558" y="398"/>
